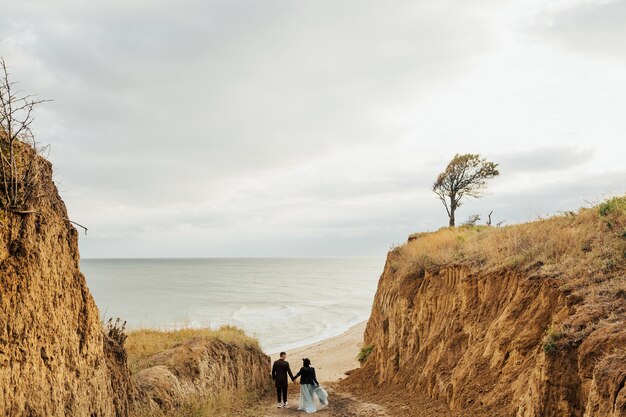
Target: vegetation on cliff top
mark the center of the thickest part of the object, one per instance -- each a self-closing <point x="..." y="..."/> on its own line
<point x="19" y="165"/>
<point x="574" y="244"/>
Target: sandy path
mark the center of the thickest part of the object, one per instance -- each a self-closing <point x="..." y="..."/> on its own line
<point x="341" y="405"/>
<point x="331" y="358"/>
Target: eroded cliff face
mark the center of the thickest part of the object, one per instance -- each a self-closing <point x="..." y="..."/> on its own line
<point x="53" y="360"/>
<point x="200" y="368"/>
<point x="56" y="360"/>
<point x="500" y="341"/>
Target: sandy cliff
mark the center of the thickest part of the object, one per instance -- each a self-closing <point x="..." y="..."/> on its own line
<point x="54" y="358"/>
<point x="522" y="321"/>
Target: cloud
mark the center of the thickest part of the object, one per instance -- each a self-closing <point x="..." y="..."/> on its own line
<point x="590" y="27"/>
<point x="199" y="128"/>
<point x="544" y="159"/>
<point x="192" y="92"/>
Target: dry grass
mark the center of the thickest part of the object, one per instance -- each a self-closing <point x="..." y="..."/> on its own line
<point x="226" y="404"/>
<point x="142" y="343"/>
<point x="575" y="244"/>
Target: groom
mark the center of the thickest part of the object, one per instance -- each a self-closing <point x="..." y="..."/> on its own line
<point x="280" y="369"/>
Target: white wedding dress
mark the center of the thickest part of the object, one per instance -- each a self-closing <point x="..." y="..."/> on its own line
<point x="312" y="398"/>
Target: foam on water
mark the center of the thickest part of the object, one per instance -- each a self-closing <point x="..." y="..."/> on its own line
<point x="286" y="303"/>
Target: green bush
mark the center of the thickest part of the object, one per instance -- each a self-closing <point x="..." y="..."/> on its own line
<point x="364" y="353"/>
<point x="550" y="341"/>
<point x="615" y="204"/>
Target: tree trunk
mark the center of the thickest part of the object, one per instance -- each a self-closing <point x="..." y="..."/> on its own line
<point x="452" y="210"/>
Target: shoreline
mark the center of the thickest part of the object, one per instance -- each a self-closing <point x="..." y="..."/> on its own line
<point x="331" y="357"/>
<point x="325" y="334"/>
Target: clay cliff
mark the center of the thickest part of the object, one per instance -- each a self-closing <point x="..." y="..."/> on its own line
<point x="520" y="321"/>
<point x="54" y="358"/>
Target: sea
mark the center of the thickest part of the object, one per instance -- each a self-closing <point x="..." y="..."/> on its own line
<point x="284" y="302"/>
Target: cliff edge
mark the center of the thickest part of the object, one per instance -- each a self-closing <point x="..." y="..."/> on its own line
<point x="524" y="321"/>
<point x="54" y="358"/>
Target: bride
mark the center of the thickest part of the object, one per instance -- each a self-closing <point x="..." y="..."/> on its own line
<point x="310" y="389"/>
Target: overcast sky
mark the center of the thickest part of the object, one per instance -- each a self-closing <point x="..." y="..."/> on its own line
<point x="315" y="127"/>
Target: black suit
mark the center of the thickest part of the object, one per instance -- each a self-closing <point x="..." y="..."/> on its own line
<point x="280" y="370"/>
<point x="307" y="374"/>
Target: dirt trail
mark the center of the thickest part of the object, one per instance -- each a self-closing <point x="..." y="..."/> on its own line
<point x="341" y="404"/>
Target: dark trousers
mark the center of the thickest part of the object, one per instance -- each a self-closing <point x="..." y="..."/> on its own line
<point x="283" y="391"/>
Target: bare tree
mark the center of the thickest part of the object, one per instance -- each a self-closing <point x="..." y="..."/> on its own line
<point x="489" y="218"/>
<point x="472" y="220"/>
<point x="18" y="175"/>
<point x="465" y="176"/>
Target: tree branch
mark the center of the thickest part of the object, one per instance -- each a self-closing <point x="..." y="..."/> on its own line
<point x="77" y="224"/>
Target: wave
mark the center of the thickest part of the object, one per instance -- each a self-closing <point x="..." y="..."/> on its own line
<point x="329" y="331"/>
<point x="246" y="314"/>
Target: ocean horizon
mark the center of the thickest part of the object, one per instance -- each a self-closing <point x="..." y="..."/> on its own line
<point x="284" y="302"/>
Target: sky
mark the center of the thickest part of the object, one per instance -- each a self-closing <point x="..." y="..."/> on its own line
<point x="241" y="128"/>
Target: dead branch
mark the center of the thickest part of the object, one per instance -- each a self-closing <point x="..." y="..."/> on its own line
<point x="19" y="168"/>
<point x="77" y="224"/>
<point x="24" y="211"/>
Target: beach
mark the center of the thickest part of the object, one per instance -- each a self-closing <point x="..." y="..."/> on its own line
<point x="332" y="357"/>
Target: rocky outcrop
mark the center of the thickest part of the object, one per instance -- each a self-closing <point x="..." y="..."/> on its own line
<point x="200" y="368"/>
<point x="506" y="340"/>
<point x="52" y="350"/>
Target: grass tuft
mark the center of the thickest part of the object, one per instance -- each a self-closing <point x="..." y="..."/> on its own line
<point x="364" y="353"/>
<point x="550" y="341"/>
<point x="226" y="404"/>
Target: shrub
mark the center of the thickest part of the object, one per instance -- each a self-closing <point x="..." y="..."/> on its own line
<point x="553" y="335"/>
<point x="116" y="330"/>
<point x="471" y="220"/>
<point x="614" y="205"/>
<point x="364" y="353"/>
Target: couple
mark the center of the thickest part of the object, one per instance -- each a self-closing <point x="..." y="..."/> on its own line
<point x="310" y="389"/>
